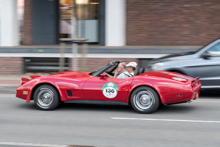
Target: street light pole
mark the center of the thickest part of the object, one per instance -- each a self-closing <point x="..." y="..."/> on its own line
<point x="74" y="52"/>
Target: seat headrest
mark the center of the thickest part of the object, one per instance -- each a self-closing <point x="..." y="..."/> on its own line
<point x="141" y="70"/>
<point x="136" y="73"/>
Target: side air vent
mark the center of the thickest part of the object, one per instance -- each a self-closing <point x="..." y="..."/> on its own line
<point x="69" y="92"/>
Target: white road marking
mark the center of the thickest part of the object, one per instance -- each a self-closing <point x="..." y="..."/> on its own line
<point x="166" y="120"/>
<point x="31" y="144"/>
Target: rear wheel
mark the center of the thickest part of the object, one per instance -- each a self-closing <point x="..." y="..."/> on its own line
<point x="46" y="97"/>
<point x="144" y="100"/>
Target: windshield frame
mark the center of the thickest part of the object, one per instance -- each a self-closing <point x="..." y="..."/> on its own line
<point x="104" y="68"/>
<point x="207" y="46"/>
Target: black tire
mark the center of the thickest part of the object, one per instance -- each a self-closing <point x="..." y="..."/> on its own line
<point x="144" y="100"/>
<point x="46" y="97"/>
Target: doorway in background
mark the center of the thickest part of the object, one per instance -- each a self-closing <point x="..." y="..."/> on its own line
<point x="79" y="18"/>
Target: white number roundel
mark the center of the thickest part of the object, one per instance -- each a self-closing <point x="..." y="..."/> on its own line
<point x="110" y="90"/>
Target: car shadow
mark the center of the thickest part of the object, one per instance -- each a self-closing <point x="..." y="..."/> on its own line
<point x="176" y="108"/>
<point x="30" y="106"/>
<point x="95" y="107"/>
<point x="171" y="109"/>
<point x="81" y="107"/>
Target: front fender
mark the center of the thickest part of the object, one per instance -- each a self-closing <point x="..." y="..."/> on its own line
<point x="32" y="85"/>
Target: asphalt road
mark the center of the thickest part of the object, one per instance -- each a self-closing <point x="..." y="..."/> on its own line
<point x="184" y="125"/>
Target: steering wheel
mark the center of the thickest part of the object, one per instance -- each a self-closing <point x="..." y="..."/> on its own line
<point x="112" y="74"/>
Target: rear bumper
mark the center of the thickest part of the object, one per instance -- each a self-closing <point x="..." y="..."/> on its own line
<point x="191" y="92"/>
<point x="194" y="93"/>
<point x="196" y="86"/>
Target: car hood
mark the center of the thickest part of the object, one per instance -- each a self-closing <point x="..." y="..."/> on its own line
<point x="71" y="74"/>
<point x="178" y="56"/>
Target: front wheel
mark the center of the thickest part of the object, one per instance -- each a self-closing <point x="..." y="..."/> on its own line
<point x="46" y="97"/>
<point x="144" y="100"/>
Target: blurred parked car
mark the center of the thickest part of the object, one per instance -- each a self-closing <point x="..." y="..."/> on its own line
<point x="204" y="63"/>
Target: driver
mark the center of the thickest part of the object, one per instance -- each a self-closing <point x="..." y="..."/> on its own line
<point x="122" y="70"/>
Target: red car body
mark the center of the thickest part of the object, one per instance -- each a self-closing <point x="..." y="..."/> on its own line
<point x="171" y="87"/>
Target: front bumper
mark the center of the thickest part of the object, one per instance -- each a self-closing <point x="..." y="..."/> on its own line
<point x="22" y="93"/>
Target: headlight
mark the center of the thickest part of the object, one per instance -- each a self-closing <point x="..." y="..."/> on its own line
<point x="157" y="66"/>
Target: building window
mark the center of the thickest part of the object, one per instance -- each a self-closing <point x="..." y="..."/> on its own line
<point x="79" y="15"/>
<point x="20" y="13"/>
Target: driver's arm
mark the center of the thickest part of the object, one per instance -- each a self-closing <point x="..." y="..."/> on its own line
<point x="108" y="75"/>
<point x="116" y="73"/>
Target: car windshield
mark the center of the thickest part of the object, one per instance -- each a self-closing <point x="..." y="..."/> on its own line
<point x="214" y="50"/>
<point x="110" y="67"/>
<point x="202" y="48"/>
<point x="94" y="72"/>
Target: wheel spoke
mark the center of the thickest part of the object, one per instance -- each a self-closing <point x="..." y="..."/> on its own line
<point x="45" y="97"/>
<point x="144" y="100"/>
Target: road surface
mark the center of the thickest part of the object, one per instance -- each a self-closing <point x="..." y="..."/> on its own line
<point x="196" y="124"/>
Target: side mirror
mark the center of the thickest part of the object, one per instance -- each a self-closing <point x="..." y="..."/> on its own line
<point x="206" y="55"/>
<point x="102" y="76"/>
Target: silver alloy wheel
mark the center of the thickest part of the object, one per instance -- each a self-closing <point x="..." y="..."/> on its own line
<point x="45" y="97"/>
<point x="144" y="100"/>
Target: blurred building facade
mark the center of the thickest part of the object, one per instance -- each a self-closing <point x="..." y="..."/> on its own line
<point x="172" y="22"/>
<point x="111" y="22"/>
<point x="46" y="21"/>
<point x="114" y="23"/>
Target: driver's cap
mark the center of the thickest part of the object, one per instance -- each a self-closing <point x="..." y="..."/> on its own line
<point x="132" y="64"/>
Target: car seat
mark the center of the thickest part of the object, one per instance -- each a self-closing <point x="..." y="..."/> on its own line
<point x="140" y="71"/>
<point x="136" y="73"/>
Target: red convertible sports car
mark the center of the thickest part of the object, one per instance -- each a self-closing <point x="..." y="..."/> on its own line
<point x="144" y="92"/>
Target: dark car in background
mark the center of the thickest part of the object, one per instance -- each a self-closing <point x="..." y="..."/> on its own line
<point x="204" y="63"/>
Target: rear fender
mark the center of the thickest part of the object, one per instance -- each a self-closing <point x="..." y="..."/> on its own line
<point x="144" y="84"/>
<point x="181" y="71"/>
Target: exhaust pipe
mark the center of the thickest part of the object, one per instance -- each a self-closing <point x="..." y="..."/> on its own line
<point x="190" y="101"/>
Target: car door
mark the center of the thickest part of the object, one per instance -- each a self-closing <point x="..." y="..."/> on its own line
<point x="207" y="67"/>
<point x="107" y="89"/>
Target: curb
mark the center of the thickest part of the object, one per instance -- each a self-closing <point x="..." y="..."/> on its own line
<point x="41" y="145"/>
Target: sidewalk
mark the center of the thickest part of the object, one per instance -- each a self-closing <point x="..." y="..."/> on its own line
<point x="94" y="49"/>
<point x="9" y="83"/>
